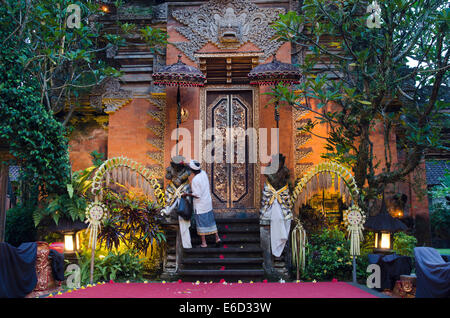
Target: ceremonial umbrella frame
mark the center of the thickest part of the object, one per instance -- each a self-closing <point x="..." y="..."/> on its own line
<point x="271" y="74"/>
<point x="179" y="74"/>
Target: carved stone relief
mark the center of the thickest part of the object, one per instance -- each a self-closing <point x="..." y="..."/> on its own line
<point x="156" y="126"/>
<point x="300" y="139"/>
<point x="110" y="96"/>
<point x="228" y="24"/>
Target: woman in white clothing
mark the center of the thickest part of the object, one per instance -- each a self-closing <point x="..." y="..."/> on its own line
<point x="203" y="210"/>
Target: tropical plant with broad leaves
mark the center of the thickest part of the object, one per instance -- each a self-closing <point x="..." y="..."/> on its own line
<point x="132" y="220"/>
<point x="71" y="204"/>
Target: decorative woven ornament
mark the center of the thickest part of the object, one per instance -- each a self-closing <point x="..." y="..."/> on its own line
<point x="298" y="241"/>
<point x="95" y="213"/>
<point x="354" y="219"/>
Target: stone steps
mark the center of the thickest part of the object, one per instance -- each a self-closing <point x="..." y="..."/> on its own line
<point x="239" y="257"/>
<point x="229" y="275"/>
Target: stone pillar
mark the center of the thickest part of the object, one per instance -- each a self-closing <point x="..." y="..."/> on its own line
<point x="264" y="232"/>
<point x="275" y="268"/>
<point x="173" y="249"/>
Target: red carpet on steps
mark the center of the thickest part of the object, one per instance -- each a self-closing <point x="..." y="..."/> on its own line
<point x="219" y="290"/>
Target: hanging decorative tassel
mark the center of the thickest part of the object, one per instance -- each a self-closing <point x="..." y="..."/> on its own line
<point x="332" y="179"/>
<point x="329" y="181"/>
<point x="315" y="184"/>
<point x="133" y="179"/>
<point x="95" y="213"/>
<point x="114" y="174"/>
<point x="298" y="239"/>
<point x="354" y="219"/>
<point x="128" y="173"/>
<point x="147" y="188"/>
<point x="119" y="175"/>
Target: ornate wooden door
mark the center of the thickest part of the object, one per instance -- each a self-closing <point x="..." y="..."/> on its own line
<point x="231" y="173"/>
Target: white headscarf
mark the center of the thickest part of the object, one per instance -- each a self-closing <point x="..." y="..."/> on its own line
<point x="194" y="165"/>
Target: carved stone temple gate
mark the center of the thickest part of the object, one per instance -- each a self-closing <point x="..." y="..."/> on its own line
<point x="225" y="39"/>
<point x="133" y="117"/>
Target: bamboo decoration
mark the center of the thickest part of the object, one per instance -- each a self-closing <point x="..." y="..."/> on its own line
<point x="354" y="219"/>
<point x="320" y="176"/>
<point x="298" y="239"/>
<point x="323" y="176"/>
<point x="133" y="179"/>
<point x="118" y="168"/>
<point x="95" y="213"/>
<point x="122" y="170"/>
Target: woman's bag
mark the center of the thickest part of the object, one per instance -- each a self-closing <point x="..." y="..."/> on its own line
<point x="184" y="208"/>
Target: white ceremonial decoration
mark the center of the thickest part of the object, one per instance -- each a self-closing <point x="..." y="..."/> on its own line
<point x="354" y="219"/>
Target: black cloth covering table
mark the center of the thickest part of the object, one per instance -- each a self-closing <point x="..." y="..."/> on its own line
<point x="57" y="262"/>
<point x="433" y="274"/>
<point x="17" y="269"/>
<point x="391" y="267"/>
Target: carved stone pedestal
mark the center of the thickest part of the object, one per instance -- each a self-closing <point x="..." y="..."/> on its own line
<point x="173" y="249"/>
<point x="275" y="268"/>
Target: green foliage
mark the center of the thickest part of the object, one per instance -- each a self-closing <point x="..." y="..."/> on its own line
<point x="53" y="237"/>
<point x="132" y="221"/>
<point x="19" y="225"/>
<point x="440" y="220"/>
<point x="440" y="209"/>
<point x="114" y="266"/>
<point x="66" y="61"/>
<point x="362" y="261"/>
<point x="312" y="220"/>
<point x="155" y="38"/>
<point x="97" y="158"/>
<point x="69" y="205"/>
<point x="328" y="256"/>
<point x="35" y="138"/>
<point x="370" y="67"/>
<point x="404" y="244"/>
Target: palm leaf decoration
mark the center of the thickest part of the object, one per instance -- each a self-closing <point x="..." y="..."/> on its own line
<point x="299" y="240"/>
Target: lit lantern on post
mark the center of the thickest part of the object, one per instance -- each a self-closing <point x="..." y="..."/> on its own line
<point x="384" y="225"/>
<point x="383" y="240"/>
<point x="71" y="243"/>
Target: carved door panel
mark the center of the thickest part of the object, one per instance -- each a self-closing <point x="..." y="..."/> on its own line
<point x="230" y="114"/>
